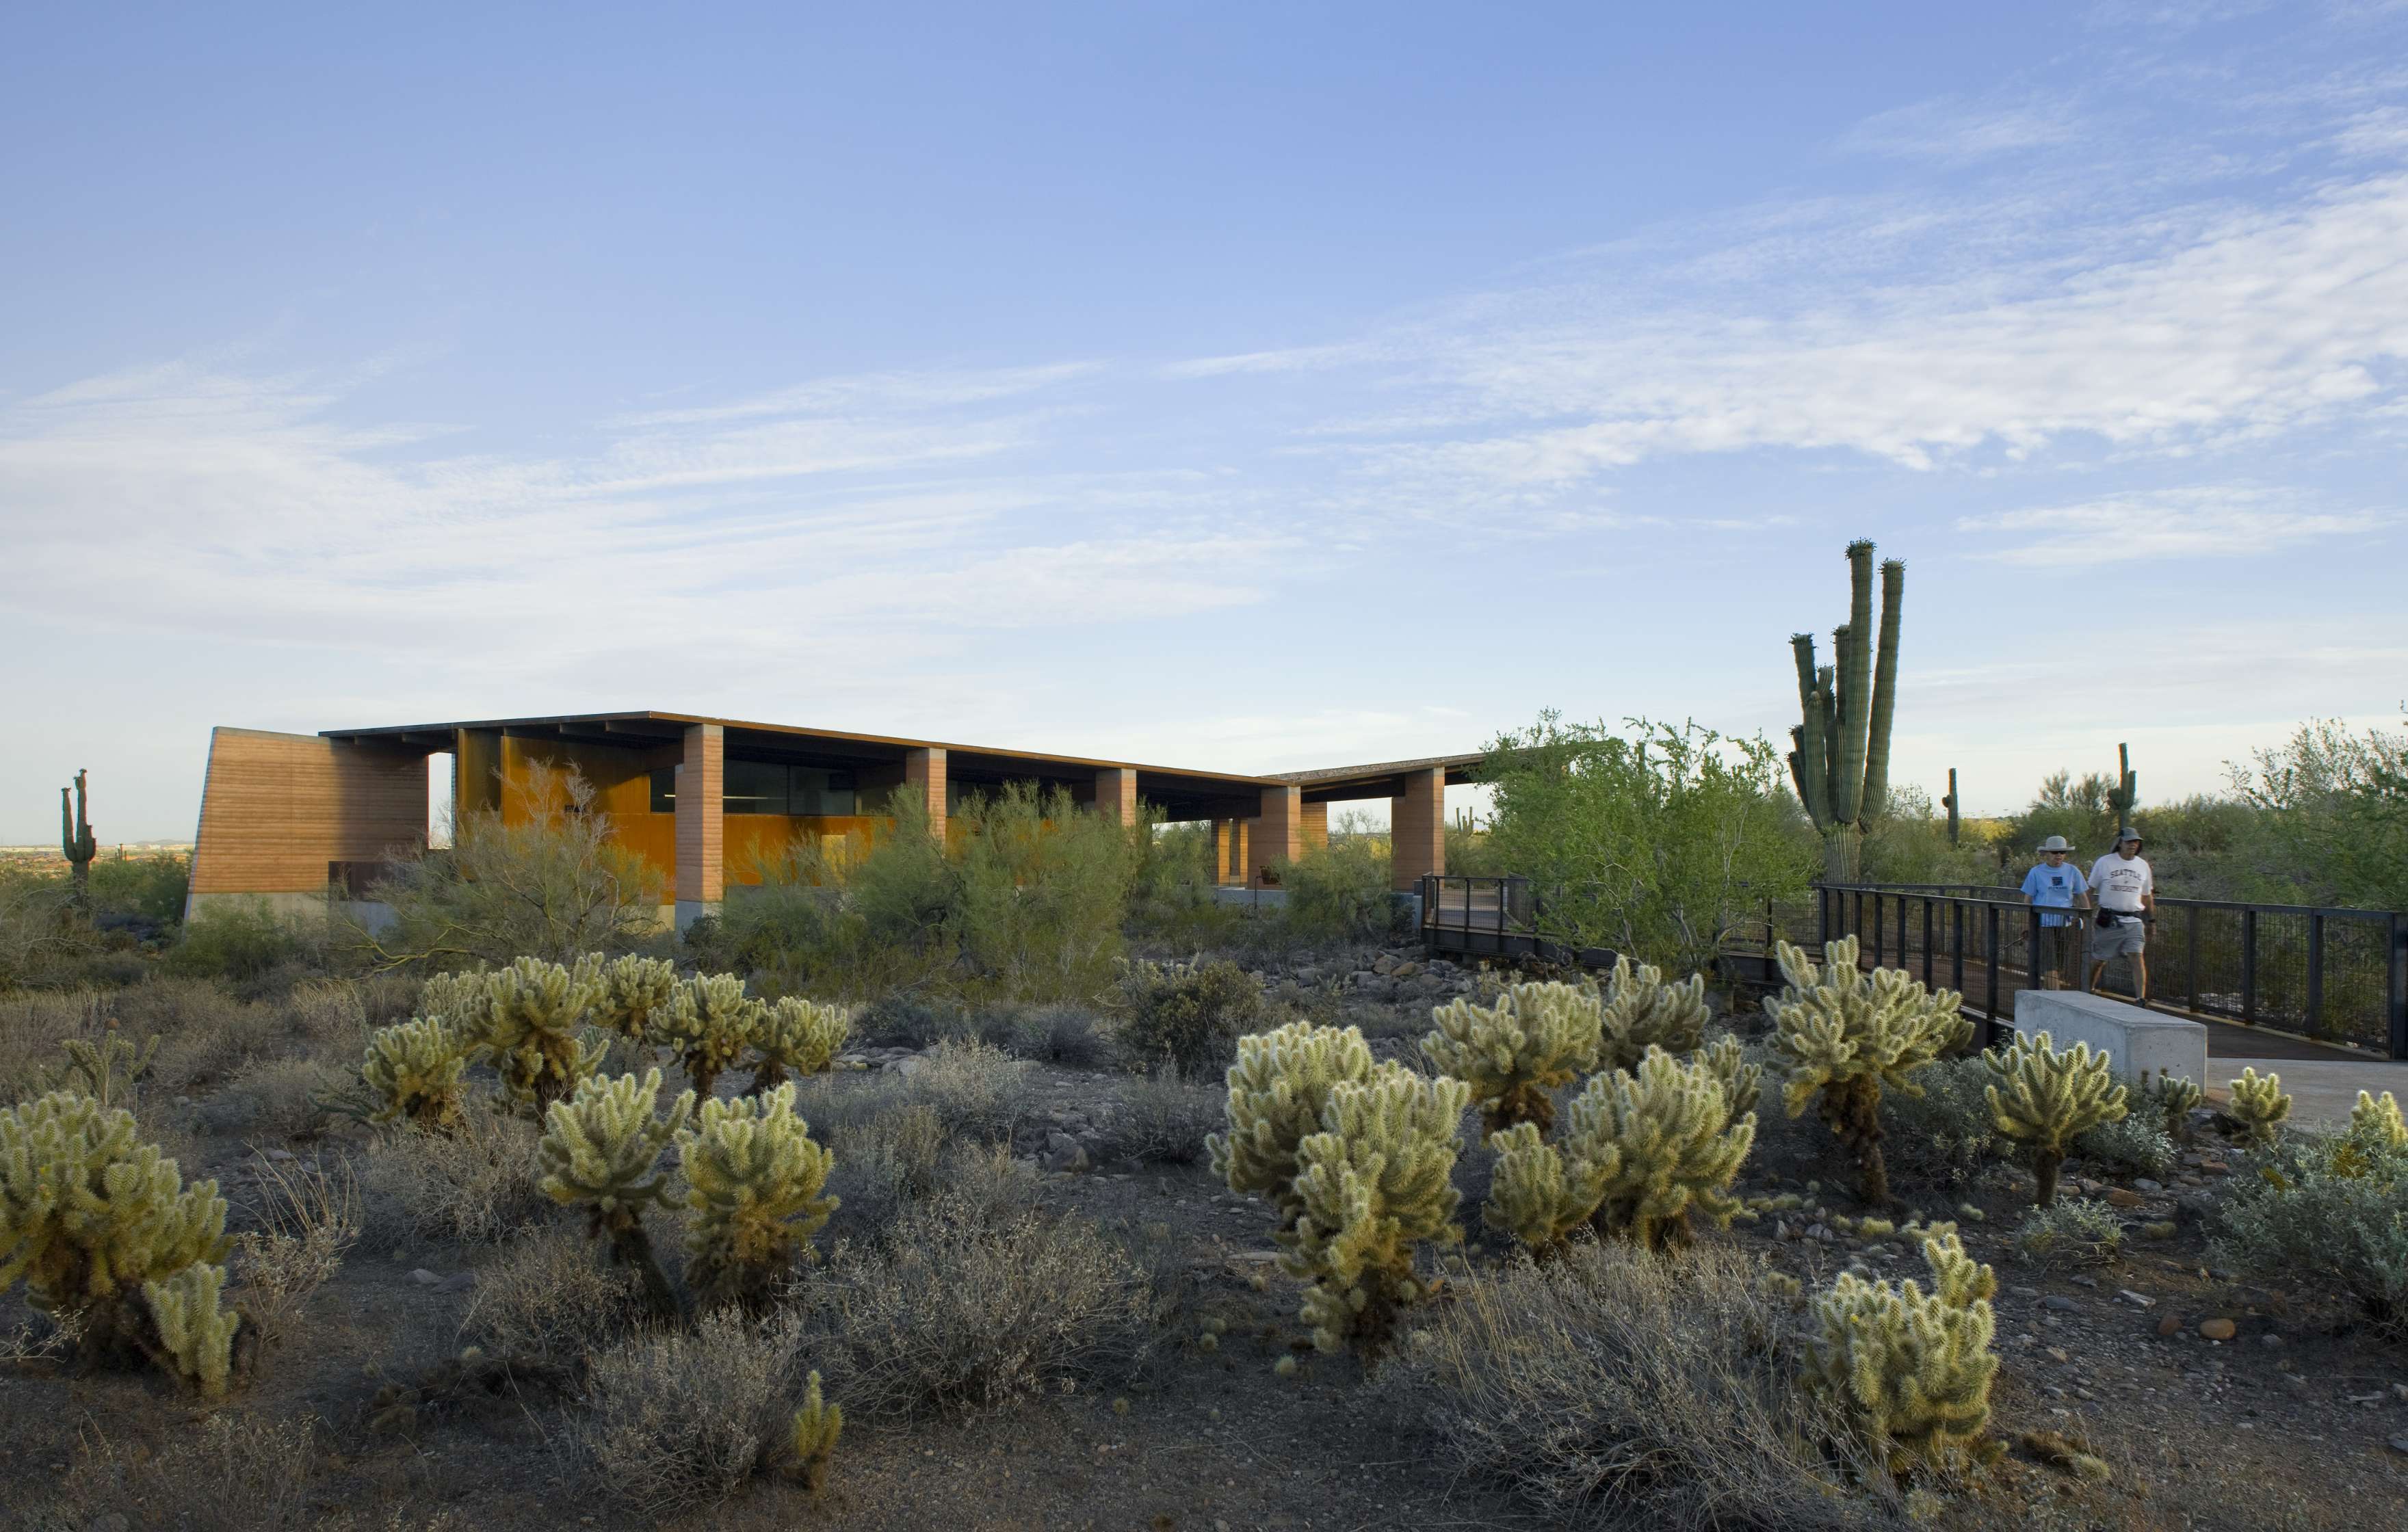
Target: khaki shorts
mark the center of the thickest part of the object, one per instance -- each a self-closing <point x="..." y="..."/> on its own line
<point x="2128" y="937"/>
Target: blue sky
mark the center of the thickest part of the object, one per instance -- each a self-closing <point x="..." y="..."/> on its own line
<point x="1242" y="386"/>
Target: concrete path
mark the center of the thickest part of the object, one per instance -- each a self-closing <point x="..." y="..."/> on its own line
<point x="2321" y="1092"/>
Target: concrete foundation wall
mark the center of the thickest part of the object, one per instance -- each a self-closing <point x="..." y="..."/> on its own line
<point x="2134" y="1039"/>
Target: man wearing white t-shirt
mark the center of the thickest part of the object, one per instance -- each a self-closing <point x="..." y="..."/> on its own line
<point x="2125" y="892"/>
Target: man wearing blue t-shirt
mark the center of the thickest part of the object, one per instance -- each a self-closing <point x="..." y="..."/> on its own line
<point x="2055" y="884"/>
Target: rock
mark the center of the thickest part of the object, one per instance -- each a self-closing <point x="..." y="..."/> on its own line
<point x="109" y="1521"/>
<point x="2170" y="1325"/>
<point x="2218" y="1329"/>
<point x="908" y="1066"/>
<point x="1062" y="1152"/>
<point x="2270" y="1341"/>
<point x="459" y="1281"/>
<point x="1383" y="965"/>
<point x="281" y="1156"/>
<point x="2085" y="1281"/>
<point x="2059" y="1303"/>
<point x="2025" y="1292"/>
<point x="2118" y="1198"/>
<point x="2135" y="1300"/>
<point x="1405" y="970"/>
<point x="423" y="1277"/>
<point x="2399" y="1444"/>
<point x="2145" y="1185"/>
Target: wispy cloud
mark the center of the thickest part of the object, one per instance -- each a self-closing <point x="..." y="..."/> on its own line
<point x="1952" y="129"/>
<point x="2215" y="522"/>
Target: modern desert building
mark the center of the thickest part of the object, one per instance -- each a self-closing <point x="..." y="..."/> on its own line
<point x="289" y="817"/>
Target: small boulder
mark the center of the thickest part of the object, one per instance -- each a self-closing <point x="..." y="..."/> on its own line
<point x="2218" y="1329"/>
<point x="2118" y="1196"/>
<point x="2170" y="1325"/>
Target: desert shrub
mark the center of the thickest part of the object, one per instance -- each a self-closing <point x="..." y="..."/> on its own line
<point x="988" y="1182"/>
<point x="275" y="1098"/>
<point x="679" y="1419"/>
<point x="236" y="941"/>
<point x="1618" y="1387"/>
<point x="2325" y="1214"/>
<point x="546" y="1301"/>
<point x="205" y="1034"/>
<point x="2128" y="1146"/>
<point x="1058" y="1035"/>
<point x="884" y="1160"/>
<point x="34" y="1024"/>
<point x="1944" y="1137"/>
<point x="953" y="1309"/>
<point x="976" y="1089"/>
<point x="307" y="1217"/>
<point x="551" y="884"/>
<point x="907" y="1021"/>
<point x="42" y="940"/>
<point x="229" y="1472"/>
<point x="1339" y="892"/>
<point x="475" y="1183"/>
<point x="1164" y="1118"/>
<point x="1188" y="1015"/>
<point x="2075" y="1232"/>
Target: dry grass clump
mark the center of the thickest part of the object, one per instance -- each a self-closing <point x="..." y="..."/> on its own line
<point x="978" y="1091"/>
<point x="330" y="1014"/>
<point x="1066" y="1035"/>
<point x="33" y="1025"/>
<point x="1617" y="1387"/>
<point x="205" y="1035"/>
<point x="307" y="1217"/>
<point x="683" y="1418"/>
<point x="226" y="1472"/>
<point x="548" y="1301"/>
<point x="275" y="1098"/>
<point x="954" y="1308"/>
<point x="475" y="1183"/>
<point x="885" y="1161"/>
<point x="1163" y="1117"/>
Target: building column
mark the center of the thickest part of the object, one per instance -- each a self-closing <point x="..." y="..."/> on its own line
<point x="1280" y="830"/>
<point x="1116" y="793"/>
<point x="1241" y="853"/>
<point x="1225" y="835"/>
<point x="1417" y="828"/>
<point x="1315" y="830"/>
<point x="701" y="823"/>
<point x="924" y="777"/>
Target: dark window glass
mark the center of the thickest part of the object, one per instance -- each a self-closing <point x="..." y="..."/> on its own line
<point x="821" y="791"/>
<point x="756" y="787"/>
<point x="664" y="789"/>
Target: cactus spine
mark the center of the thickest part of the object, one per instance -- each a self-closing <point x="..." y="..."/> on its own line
<point x="89" y="1213"/>
<point x="753" y="1178"/>
<point x="708" y="1024"/>
<point x="1374" y="1184"/>
<point x="75" y="843"/>
<point x="2046" y="1098"/>
<point x="1277" y="1088"/>
<point x="2258" y="1104"/>
<point x="417" y="1069"/>
<point x="1912" y="1368"/>
<point x="812" y="1438"/>
<point x="1844" y="1034"/>
<point x="800" y="1035"/>
<point x="1513" y="1053"/>
<point x="1839" y="764"/>
<point x="1537" y="1195"/>
<point x="1641" y="1011"/>
<point x="1671" y="1140"/>
<point x="196" y="1336"/>
<point x="601" y="1150"/>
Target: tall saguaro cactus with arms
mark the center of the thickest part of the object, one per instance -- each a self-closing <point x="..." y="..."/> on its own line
<point x="1841" y="762"/>
<point x="77" y="844"/>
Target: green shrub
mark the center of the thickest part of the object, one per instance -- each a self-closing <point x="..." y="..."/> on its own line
<point x="1189" y="1016"/>
<point x="1943" y="1138"/>
<point x="2077" y="1231"/>
<point x="2328" y="1215"/>
<point x="231" y="940"/>
<point x="1339" y="892"/>
<point x="2129" y="1146"/>
<point x="1163" y="1118"/>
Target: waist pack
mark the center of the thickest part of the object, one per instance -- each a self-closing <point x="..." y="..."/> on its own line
<point x="2110" y="917"/>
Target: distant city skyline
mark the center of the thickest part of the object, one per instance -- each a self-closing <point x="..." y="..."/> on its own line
<point x="1240" y="387"/>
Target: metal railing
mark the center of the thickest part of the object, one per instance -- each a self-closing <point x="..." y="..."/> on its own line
<point x="2336" y="976"/>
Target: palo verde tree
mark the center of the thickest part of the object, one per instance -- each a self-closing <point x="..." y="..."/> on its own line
<point x="1841" y="762"/>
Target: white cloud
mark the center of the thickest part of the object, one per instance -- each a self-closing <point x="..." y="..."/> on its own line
<point x="2200" y="522"/>
<point x="1949" y="129"/>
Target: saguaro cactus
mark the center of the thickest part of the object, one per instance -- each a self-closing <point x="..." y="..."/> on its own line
<point x="2047" y="1099"/>
<point x="77" y="844"/>
<point x="1668" y="1133"/>
<point x="1914" y="1368"/>
<point x="1277" y="1089"/>
<point x="753" y="1177"/>
<point x="1844" y="1034"/>
<point x="1374" y="1182"/>
<point x="1513" y="1053"/>
<point x="601" y="1150"/>
<point x="1841" y="760"/>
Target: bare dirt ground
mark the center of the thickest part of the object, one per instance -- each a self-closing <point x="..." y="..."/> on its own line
<point x="2287" y="1424"/>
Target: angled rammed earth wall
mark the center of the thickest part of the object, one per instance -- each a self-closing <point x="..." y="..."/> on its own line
<point x="279" y="811"/>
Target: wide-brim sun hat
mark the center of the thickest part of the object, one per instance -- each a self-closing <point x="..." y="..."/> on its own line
<point x="2054" y="843"/>
<point x="2127" y="833"/>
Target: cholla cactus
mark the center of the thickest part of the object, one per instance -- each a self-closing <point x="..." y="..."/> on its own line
<point x="1277" y="1088"/>
<point x="800" y="1035"/>
<point x="632" y="991"/>
<point x="1668" y="1135"/>
<point x="107" y="1070"/>
<point x="1374" y="1182"/>
<point x="196" y="1336"/>
<point x="601" y="1150"/>
<point x="416" y="1069"/>
<point x="1641" y="1011"/>
<point x="2172" y="1097"/>
<point x="812" y="1439"/>
<point x="753" y="1178"/>
<point x="461" y="998"/>
<point x="2046" y="1098"/>
<point x="2258" y="1104"/>
<point x="1537" y="1195"/>
<point x="1743" y="1082"/>
<point x="1912" y="1368"/>
<point x="529" y="1026"/>
<point x="708" y="1024"/>
<point x="2376" y="1120"/>
<point x="89" y="1213"/>
<point x="1845" y="1034"/>
<point x="1514" y="1053"/>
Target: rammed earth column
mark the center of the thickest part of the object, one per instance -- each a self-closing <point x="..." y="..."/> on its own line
<point x="923" y="775"/>
<point x="1116" y="793"/>
<point x="1417" y="828"/>
<point x="1278" y="832"/>
<point x="701" y="823"/>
